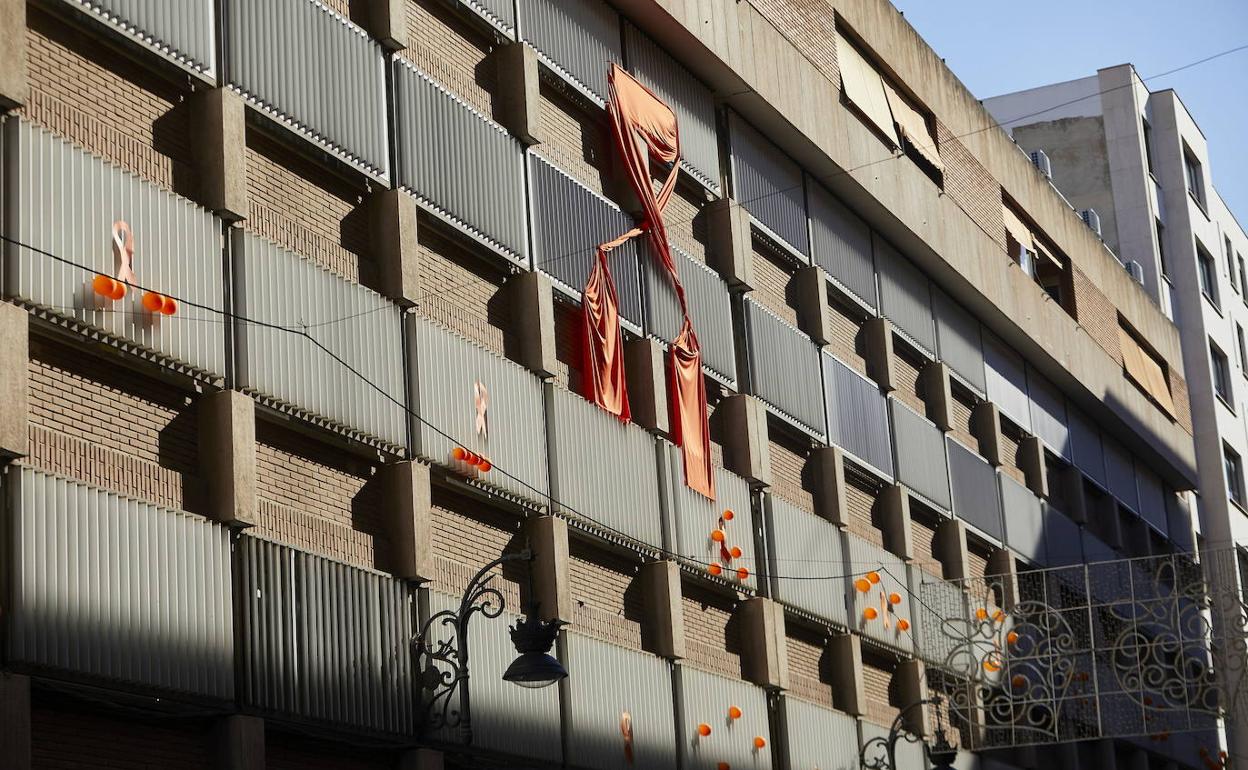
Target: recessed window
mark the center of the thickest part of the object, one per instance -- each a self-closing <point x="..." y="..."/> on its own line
<point x="1234" y="468"/>
<point x="1161" y="247"/>
<point x="1208" y="273"/>
<point x="1243" y="350"/>
<point x="1230" y="257"/>
<point x="1194" y="175"/>
<point x="1148" y="144"/>
<point x="1243" y="275"/>
<point x="1221" y="372"/>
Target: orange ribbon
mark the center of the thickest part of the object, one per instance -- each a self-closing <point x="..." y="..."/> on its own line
<point x="481" y="400"/>
<point x="123" y="250"/>
<point x="626" y="729"/>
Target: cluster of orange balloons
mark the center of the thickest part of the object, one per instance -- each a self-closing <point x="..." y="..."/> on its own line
<point x="110" y="288"/>
<point x="472" y="458"/>
<point x="734" y="713"/>
<point x="863" y="584"/>
<point x="720" y="536"/>
<point x="159" y="303"/>
<point x="153" y="302"/>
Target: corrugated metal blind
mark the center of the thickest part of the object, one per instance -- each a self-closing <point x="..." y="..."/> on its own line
<point x="693" y="103"/>
<point x="841" y="243"/>
<point x="942" y="600"/>
<point x="613" y="681"/>
<point x="1085" y="443"/>
<point x="710" y="309"/>
<point x="857" y="415"/>
<point x="1048" y="414"/>
<point x="314" y="71"/>
<point x="905" y="297"/>
<point x="505" y="717"/>
<point x="921" y="461"/>
<point x="696" y="516"/>
<point x="118" y="589"/>
<point x="1152" y="498"/>
<point x="894" y="578"/>
<point x="602" y="469"/>
<point x="1062" y="544"/>
<point x="957" y="334"/>
<point x="1120" y="470"/>
<point x="801" y="544"/>
<point x="706" y="698"/>
<point x="325" y="641"/>
<point x="1179" y="520"/>
<point x="361" y="327"/>
<point x="1096" y="549"/>
<point x="818" y="737"/>
<point x="974" y="485"/>
<point x="447" y="367"/>
<point x="64" y="201"/>
<point x="784" y="368"/>
<point x="501" y="14"/>
<point x="1006" y="379"/>
<point x="181" y="31"/>
<point x="578" y="40"/>
<point x="569" y="221"/>
<point x="459" y="163"/>
<point x="768" y="184"/>
<point x="1024" y="526"/>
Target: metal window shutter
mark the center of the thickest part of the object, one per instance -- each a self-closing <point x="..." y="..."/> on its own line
<point x="710" y="310"/>
<point x="768" y="184"/>
<point x="1024" y="526"/>
<point x="974" y="490"/>
<point x="1006" y="380"/>
<point x="921" y="463"/>
<point x="857" y="416"/>
<point x="180" y="31"/>
<point x="578" y="40"/>
<point x="841" y="243"/>
<point x="957" y="335"/>
<point x="801" y="544"/>
<point x="1048" y="414"/>
<point x="784" y="369"/>
<point x="905" y="297"/>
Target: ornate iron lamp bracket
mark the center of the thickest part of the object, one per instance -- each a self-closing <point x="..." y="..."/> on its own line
<point x="880" y="752"/>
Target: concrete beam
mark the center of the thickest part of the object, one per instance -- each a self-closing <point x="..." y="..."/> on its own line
<point x="518" y="103"/>
<point x="645" y="367"/>
<point x="731" y="250"/>
<point x="849" y="692"/>
<point x="663" y="629"/>
<point x="1031" y="459"/>
<point x="877" y="343"/>
<point x="764" y="660"/>
<point x="15" y="721"/>
<point x="950" y="547"/>
<point x="218" y="136"/>
<point x="986" y="425"/>
<point x="387" y="23"/>
<point x="548" y="539"/>
<point x="814" y="314"/>
<point x="393" y="233"/>
<point x="533" y="322"/>
<point x="239" y="742"/>
<point x="14" y="381"/>
<point x="227" y="452"/>
<point x="742" y="422"/>
<point x="910" y="683"/>
<point x="14" y="83"/>
<point x="828" y="466"/>
<point x="892" y="509"/>
<point x="407" y="508"/>
<point x="937" y="395"/>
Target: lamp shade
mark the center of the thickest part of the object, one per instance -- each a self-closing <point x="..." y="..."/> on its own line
<point x="535" y="670"/>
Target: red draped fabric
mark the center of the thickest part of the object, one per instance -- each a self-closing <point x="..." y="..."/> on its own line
<point x="643" y="127"/>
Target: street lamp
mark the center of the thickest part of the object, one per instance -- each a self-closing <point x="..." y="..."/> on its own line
<point x="443" y="664"/>
<point x="879" y="753"/>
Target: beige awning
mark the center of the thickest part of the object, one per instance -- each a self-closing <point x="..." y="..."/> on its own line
<point x="864" y="88"/>
<point x="1049" y="256"/>
<point x="912" y="126"/>
<point x="1017" y="229"/>
<point x="1145" y="371"/>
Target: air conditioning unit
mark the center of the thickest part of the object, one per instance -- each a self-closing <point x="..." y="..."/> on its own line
<point x="1135" y="270"/>
<point x="1041" y="161"/>
<point x="1092" y="220"/>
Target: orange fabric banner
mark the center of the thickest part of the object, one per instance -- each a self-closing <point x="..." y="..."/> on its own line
<point x="603" y="348"/>
<point x="644" y="127"/>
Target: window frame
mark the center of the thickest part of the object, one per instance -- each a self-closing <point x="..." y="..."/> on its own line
<point x="1219" y="366"/>
<point x="1194" y="176"/>
<point x="1233" y="472"/>
<point x="1207" y="274"/>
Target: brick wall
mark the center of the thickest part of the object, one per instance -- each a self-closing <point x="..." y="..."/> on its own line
<point x="970" y="185"/>
<point x="607" y="604"/>
<point x="846" y="341"/>
<point x="1182" y="406"/>
<point x="1096" y="314"/>
<point x="771" y="283"/>
<point x="788" y="459"/>
<point x="811" y="26"/>
<point x="685" y="229"/>
<point x="962" y="406"/>
<point x="711" y="638"/>
<point x="1010" y="440"/>
<point x="907" y="365"/>
<point x="460" y="291"/>
<point x="451" y="52"/>
<point x="877" y="676"/>
<point x="923" y="532"/>
<point x="714" y="394"/>
<point x="575" y="140"/>
<point x="809" y="675"/>
<point x="569" y="331"/>
<point x="976" y="560"/>
<point x="317" y="497"/>
<point x="301" y="205"/>
<point x="66" y="737"/>
<point x="860" y="499"/>
<point x="96" y="421"/>
<point x="468" y="535"/>
<point x="107" y="103"/>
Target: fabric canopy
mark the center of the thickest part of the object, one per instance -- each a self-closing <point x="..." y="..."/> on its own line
<point x="864" y="88"/>
<point x="1145" y="370"/>
<point x="913" y="126"/>
<point x="1016" y="229"/>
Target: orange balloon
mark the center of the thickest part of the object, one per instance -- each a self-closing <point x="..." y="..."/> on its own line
<point x="153" y="302"/>
<point x="743" y="573"/>
<point x="119" y="290"/>
<point x="714" y="568"/>
<point x="1011" y="637"/>
<point x="728" y="514"/>
<point x="734" y="712"/>
<point x="874" y="577"/>
<point x="991" y="666"/>
<point x="1019" y="681"/>
<point x="718" y="535"/>
<point x="485" y="466"/>
<point x="170" y="306"/>
<point x="103" y="285"/>
<point x="863" y="585"/>
<point x="870" y="613"/>
<point x="894" y="598"/>
<point x="759" y="742"/>
<point x="723" y="766"/>
<point x="998" y="616"/>
<point x="981" y="613"/>
<point x="459" y="453"/>
<point x="704" y="729"/>
<point x="471" y="458"/>
<point x="903" y="624"/>
<point x="736" y="552"/>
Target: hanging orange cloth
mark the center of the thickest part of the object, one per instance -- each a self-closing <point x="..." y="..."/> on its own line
<point x="642" y="127"/>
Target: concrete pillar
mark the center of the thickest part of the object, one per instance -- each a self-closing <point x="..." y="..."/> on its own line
<point x="828" y="465"/>
<point x="663" y="629"/>
<point x="14" y="375"/>
<point x="548" y="539"/>
<point x="14" y="86"/>
<point x="240" y="742"/>
<point x="937" y="395"/>
<point x="407" y="507"/>
<point x="814" y="314"/>
<point x="1003" y="571"/>
<point x="518" y="104"/>
<point x="645" y="367"/>
<point x="877" y="340"/>
<point x="387" y="22"/>
<point x="742" y="422"/>
<point x="910" y="684"/>
<point x="421" y="759"/>
<point x="849" y="692"/>
<point x="227" y="451"/>
<point x="893" y="515"/>
<point x="1031" y="459"/>
<point x="393" y="235"/>
<point x="986" y="425"/>
<point x="763" y="655"/>
<point x="15" y="721"/>
<point x="218" y="136"/>
<point x="731" y="251"/>
<point x="533" y="322"/>
<point x="950" y="547"/>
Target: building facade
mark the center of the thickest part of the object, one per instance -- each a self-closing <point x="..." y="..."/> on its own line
<point x="356" y="235"/>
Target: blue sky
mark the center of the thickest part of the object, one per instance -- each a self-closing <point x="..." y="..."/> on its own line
<point x="996" y="47"/>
